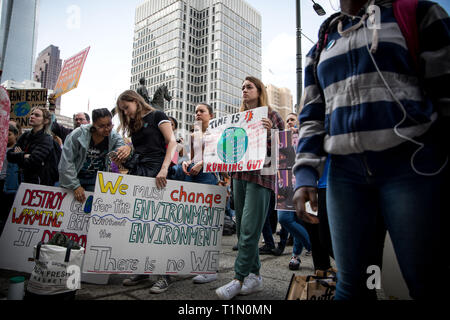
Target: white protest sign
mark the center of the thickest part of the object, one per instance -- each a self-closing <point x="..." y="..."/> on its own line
<point x="143" y="230"/>
<point x="37" y="214"/>
<point x="236" y="143"/>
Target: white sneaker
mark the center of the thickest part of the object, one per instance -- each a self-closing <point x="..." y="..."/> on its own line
<point x="229" y="291"/>
<point x="205" y="278"/>
<point x="252" y="284"/>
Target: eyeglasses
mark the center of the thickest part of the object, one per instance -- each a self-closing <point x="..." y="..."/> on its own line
<point x="80" y="119"/>
<point x="105" y="126"/>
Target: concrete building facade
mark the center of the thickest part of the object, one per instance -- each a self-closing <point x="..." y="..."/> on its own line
<point x="201" y="49"/>
<point x="280" y="99"/>
<point x="18" y="37"/>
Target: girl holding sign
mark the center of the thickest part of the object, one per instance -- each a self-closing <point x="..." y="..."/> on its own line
<point x="194" y="171"/>
<point x="85" y="152"/>
<point x="154" y="145"/>
<point x="251" y="200"/>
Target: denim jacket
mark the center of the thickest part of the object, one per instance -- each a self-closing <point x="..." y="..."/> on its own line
<point x="74" y="154"/>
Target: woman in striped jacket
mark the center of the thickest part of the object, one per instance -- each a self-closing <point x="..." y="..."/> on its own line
<point x="379" y="110"/>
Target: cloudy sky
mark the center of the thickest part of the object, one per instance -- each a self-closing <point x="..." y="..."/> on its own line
<point x="107" y="26"/>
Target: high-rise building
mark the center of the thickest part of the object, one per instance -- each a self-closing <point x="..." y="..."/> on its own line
<point x="18" y="36"/>
<point x="201" y="49"/>
<point x="280" y="99"/>
<point x="47" y="68"/>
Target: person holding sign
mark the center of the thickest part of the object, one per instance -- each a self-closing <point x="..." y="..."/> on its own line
<point x="251" y="200"/>
<point x="34" y="149"/>
<point x="194" y="171"/>
<point x="85" y="152"/>
<point x="154" y="146"/>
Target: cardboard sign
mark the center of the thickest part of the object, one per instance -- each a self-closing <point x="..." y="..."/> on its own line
<point x="139" y="229"/>
<point x="70" y="73"/>
<point x="236" y="143"/>
<point x="38" y="213"/>
<point x="23" y="101"/>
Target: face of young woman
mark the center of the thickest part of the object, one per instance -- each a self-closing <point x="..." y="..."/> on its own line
<point x="37" y="119"/>
<point x="250" y="93"/>
<point x="202" y="113"/>
<point x="103" y="126"/>
<point x="128" y="108"/>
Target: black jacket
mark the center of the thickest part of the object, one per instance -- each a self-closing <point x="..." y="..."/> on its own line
<point x="61" y="131"/>
<point x="36" y="168"/>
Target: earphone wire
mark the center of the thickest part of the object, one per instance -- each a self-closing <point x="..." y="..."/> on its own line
<point x="405" y="115"/>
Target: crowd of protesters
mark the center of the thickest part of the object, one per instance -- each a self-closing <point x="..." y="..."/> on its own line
<point x="371" y="156"/>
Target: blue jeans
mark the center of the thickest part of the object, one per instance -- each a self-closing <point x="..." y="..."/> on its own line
<point x="408" y="206"/>
<point x="203" y="177"/>
<point x="289" y="220"/>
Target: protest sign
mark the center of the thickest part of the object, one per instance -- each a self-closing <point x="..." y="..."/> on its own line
<point x="70" y="73"/>
<point x="38" y="213"/>
<point x="285" y="180"/>
<point x="236" y="143"/>
<point x="140" y="229"/>
<point x="23" y="101"/>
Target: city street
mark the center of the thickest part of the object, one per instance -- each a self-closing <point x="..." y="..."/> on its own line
<point x="275" y="272"/>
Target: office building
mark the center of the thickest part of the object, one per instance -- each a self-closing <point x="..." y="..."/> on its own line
<point x="18" y="36"/>
<point x="280" y="99"/>
<point x="201" y="49"/>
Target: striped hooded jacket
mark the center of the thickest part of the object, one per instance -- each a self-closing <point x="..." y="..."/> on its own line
<point x="355" y="123"/>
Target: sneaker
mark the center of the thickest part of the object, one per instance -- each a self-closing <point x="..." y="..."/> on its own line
<point x="135" y="280"/>
<point x="230" y="290"/>
<point x="161" y="285"/>
<point x="308" y="253"/>
<point x="278" y="251"/>
<point x="294" y="264"/>
<point x="252" y="284"/>
<point x="235" y="247"/>
<point x="205" y="278"/>
<point x="266" y="249"/>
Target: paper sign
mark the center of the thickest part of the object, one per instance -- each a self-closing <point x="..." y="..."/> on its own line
<point x="37" y="214"/>
<point x="71" y="72"/>
<point x="140" y="229"/>
<point x="23" y="101"/>
<point x="236" y="143"/>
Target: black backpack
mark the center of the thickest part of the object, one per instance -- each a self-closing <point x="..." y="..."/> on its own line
<point x="53" y="162"/>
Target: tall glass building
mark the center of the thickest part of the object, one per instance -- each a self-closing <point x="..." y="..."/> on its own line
<point x="201" y="49"/>
<point x="18" y="36"/>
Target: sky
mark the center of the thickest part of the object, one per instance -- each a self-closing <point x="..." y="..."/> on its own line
<point x="107" y="27"/>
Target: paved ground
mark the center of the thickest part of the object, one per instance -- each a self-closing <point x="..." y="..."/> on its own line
<point x="275" y="272"/>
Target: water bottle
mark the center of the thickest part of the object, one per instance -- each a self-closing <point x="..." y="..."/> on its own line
<point x="16" y="289"/>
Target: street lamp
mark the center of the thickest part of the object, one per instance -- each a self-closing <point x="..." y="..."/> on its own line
<point x="318" y="8"/>
<point x="320" y="11"/>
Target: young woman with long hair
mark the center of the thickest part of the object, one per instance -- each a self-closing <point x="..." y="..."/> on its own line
<point x="251" y="200"/>
<point x="154" y="145"/>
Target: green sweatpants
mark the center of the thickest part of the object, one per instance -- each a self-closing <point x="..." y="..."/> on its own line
<point x="251" y="202"/>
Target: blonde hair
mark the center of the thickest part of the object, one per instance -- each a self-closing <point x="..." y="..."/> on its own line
<point x="127" y="125"/>
<point x="262" y="99"/>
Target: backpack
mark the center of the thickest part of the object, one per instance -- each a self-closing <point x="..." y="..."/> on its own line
<point x="53" y="162"/>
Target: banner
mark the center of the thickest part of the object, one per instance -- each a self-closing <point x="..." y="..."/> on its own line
<point x="236" y="143"/>
<point x="38" y="213"/>
<point x="70" y="73"/>
<point x="23" y="101"/>
<point x="285" y="180"/>
<point x="139" y="229"/>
